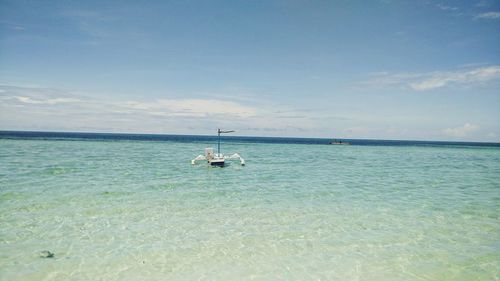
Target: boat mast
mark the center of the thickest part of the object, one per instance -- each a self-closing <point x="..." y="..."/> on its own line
<point x="218" y="143"/>
<point x="219" y="131"/>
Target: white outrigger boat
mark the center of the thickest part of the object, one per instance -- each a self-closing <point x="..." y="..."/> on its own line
<point x="217" y="159"/>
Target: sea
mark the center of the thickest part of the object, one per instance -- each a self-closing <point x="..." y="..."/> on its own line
<point x="84" y="206"/>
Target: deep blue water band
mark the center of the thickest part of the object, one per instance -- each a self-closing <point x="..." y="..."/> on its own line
<point x="194" y="138"/>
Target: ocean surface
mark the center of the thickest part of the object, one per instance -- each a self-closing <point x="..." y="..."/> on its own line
<point x="132" y="207"/>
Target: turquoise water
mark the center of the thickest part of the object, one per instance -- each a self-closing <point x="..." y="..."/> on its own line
<point x="137" y="210"/>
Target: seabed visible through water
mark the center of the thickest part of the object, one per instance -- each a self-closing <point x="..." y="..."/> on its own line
<point x="125" y="210"/>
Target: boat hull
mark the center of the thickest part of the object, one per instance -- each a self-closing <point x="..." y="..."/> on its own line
<point x="217" y="162"/>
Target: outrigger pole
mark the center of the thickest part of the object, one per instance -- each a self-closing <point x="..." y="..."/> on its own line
<point x="219" y="131"/>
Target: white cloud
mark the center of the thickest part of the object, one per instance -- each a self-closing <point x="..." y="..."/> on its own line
<point x="446" y="8"/>
<point x="489" y="15"/>
<point x="36" y="96"/>
<point x="46" y="101"/>
<point x="460" y="132"/>
<point x="441" y="79"/>
<point x="452" y="10"/>
<point x="192" y="107"/>
<point x="429" y="84"/>
<point x="436" y="79"/>
<point x="43" y="109"/>
<point x="28" y="108"/>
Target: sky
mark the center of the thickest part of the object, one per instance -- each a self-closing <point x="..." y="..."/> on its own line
<point x="388" y="69"/>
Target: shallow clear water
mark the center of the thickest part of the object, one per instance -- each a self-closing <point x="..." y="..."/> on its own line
<point x="137" y="210"/>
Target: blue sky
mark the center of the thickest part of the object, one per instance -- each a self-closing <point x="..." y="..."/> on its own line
<point x="425" y="70"/>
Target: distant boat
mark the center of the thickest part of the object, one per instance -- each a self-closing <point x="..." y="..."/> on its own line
<point x="339" y="142"/>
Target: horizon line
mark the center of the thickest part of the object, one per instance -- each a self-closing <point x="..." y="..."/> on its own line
<point x="243" y="136"/>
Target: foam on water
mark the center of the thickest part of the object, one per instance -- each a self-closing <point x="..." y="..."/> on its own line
<point x="132" y="210"/>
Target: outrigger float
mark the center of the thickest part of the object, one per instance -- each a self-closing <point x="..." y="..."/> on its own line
<point x="217" y="159"/>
